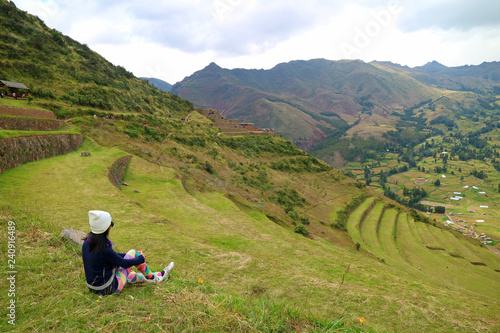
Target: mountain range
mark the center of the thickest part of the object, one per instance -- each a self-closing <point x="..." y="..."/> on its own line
<point x="309" y="101"/>
<point x="160" y="84"/>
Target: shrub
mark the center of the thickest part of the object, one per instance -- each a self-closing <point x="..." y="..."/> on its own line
<point x="253" y="145"/>
<point x="419" y="217"/>
<point x="359" y="185"/>
<point x="293" y="214"/>
<point x="152" y="134"/>
<point x="288" y="199"/>
<point x="301" y="229"/>
<point x="344" y="213"/>
<point x="43" y="93"/>
<point x="305" y="220"/>
<point x="209" y="168"/>
<point x="190" y="140"/>
<point x="338" y="226"/>
<point x="132" y="133"/>
<point x="77" y="120"/>
<point x="259" y="181"/>
<point x="60" y="113"/>
<point x="98" y="97"/>
<point x="213" y="153"/>
<point x="301" y="164"/>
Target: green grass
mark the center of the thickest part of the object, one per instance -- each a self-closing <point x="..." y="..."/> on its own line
<point x="386" y="236"/>
<point x="168" y="221"/>
<point x="257" y="275"/>
<point x="458" y="273"/>
<point x="368" y="228"/>
<point x="4" y="134"/>
<point x="412" y="250"/>
<point x="51" y="296"/>
<point x="428" y="238"/>
<point x="354" y="218"/>
<point x="22" y="117"/>
<point x="20" y="103"/>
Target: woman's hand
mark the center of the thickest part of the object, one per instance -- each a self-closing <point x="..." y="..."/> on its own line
<point x="141" y="253"/>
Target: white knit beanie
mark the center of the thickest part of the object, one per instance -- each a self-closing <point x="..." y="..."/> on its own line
<point x="99" y="221"/>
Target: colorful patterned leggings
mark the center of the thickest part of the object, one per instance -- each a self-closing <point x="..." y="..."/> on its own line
<point x="125" y="275"/>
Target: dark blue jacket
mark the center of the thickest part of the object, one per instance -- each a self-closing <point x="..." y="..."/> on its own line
<point x="99" y="267"/>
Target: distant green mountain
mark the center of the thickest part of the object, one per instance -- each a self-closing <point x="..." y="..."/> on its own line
<point x="160" y="84"/>
<point x="489" y="71"/>
<point x="55" y="66"/>
<point x="305" y="100"/>
<point x="485" y="76"/>
<point x="309" y="102"/>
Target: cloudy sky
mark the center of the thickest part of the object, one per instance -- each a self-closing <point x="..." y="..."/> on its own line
<point x="170" y="39"/>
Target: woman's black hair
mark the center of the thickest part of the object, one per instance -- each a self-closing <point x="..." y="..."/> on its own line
<point x="98" y="243"/>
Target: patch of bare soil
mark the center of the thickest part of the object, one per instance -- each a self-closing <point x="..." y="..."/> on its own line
<point x="431" y="203"/>
<point x="493" y="249"/>
<point x="420" y="181"/>
<point x="26" y="112"/>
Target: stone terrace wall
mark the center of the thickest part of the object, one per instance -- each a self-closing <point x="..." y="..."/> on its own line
<point x="117" y="170"/>
<point x="26" y="124"/>
<point x="209" y="113"/>
<point x="27" y="112"/>
<point x="231" y="127"/>
<point x="17" y="151"/>
<point x="228" y="123"/>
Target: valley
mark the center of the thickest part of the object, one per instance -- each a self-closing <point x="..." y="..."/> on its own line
<point x="265" y="236"/>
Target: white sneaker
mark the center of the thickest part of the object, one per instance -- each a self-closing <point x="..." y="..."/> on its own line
<point x="155" y="279"/>
<point x="167" y="270"/>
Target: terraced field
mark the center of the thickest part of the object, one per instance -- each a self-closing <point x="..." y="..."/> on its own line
<point x="431" y="253"/>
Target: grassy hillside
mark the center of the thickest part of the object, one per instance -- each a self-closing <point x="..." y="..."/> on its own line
<point x="232" y="214"/>
<point x="265" y="237"/>
<point x="59" y="68"/>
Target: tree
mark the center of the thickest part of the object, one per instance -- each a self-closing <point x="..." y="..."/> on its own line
<point x="439" y="209"/>
<point x="437" y="182"/>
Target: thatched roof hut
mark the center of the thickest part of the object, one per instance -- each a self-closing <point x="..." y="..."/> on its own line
<point x="13" y="85"/>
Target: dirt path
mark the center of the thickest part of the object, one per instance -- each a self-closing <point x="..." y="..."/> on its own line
<point x="68" y="123"/>
<point x="493" y="249"/>
<point x="169" y="134"/>
<point x="88" y="137"/>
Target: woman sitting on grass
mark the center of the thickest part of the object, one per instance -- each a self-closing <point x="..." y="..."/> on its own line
<point x="107" y="271"/>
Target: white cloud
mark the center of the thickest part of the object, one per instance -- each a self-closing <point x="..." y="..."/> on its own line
<point x="461" y="15"/>
<point x="172" y="39"/>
